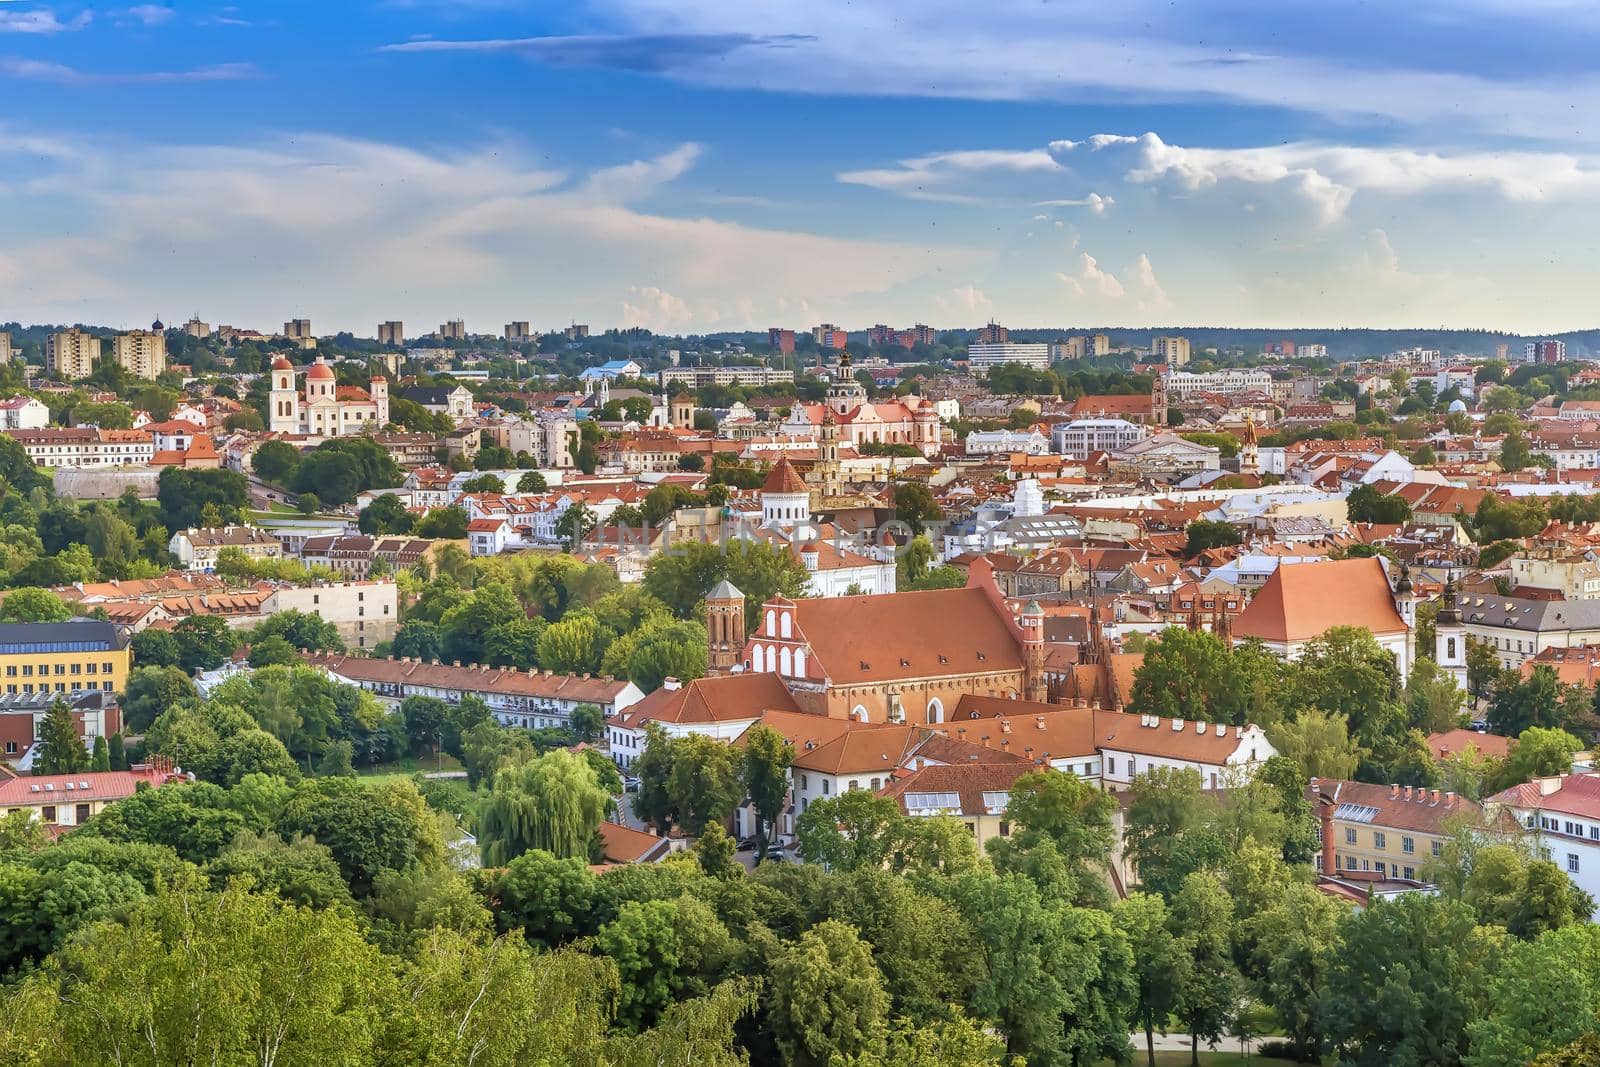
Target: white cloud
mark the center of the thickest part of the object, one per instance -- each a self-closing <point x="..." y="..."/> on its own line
<point x="353" y="232"/>
<point x="41" y="21"/>
<point x="1094" y="202"/>
<point x="60" y="74"/>
<point x="151" y="14"/>
<point x="656" y="309"/>
<point x="966" y="302"/>
<point x="936" y="176"/>
<point x="1137" y="287"/>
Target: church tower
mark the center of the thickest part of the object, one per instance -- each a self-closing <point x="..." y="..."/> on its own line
<point x="785" y="499"/>
<point x="1250" y="448"/>
<point x="1035" y="684"/>
<point x="283" y="403"/>
<point x="380" y="399"/>
<point x="846" y="394"/>
<point x="826" y="475"/>
<point x="1449" y="638"/>
<point x="1158" y="402"/>
<point x="681" y="412"/>
<point x="724" y="627"/>
<point x="1405" y="602"/>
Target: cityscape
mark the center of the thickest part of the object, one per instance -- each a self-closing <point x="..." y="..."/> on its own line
<point x="722" y="535"/>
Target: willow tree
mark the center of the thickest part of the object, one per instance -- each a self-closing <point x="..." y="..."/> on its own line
<point x="554" y="803"/>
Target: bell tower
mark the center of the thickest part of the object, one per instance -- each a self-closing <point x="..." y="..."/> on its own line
<point x="724" y="627"/>
<point x="1450" y="640"/>
<point x="283" y="403"/>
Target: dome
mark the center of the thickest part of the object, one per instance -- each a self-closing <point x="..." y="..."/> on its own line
<point x="320" y="371"/>
<point x="156" y="326"/>
<point x="282" y="363"/>
<point x="1457" y="405"/>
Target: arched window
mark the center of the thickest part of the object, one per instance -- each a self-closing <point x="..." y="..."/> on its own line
<point x="786" y="661"/>
<point x="859" y="713"/>
<point x="785" y="627"/>
<point x="935" y="711"/>
<point x="799" y="663"/>
<point x="772" y="622"/>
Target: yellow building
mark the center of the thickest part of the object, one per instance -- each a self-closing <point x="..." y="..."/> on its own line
<point x="63" y="657"/>
<point x="976" y="794"/>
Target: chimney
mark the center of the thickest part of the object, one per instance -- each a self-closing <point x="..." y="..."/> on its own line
<point x="1394" y="792"/>
<point x="1325" y="817"/>
<point x="669" y="683"/>
<point x="1408" y="792"/>
<point x="1450" y="799"/>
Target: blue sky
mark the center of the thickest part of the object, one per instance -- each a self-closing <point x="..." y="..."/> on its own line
<point x="697" y="165"/>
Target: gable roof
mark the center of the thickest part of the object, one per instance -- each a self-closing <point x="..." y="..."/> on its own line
<point x="723" y="698"/>
<point x="968" y="783"/>
<point x="1302" y="601"/>
<point x="912" y="635"/>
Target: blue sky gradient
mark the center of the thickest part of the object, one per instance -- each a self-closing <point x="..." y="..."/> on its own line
<point x="697" y="165"/>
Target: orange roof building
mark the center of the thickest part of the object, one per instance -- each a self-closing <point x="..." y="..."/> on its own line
<point x="1302" y="601"/>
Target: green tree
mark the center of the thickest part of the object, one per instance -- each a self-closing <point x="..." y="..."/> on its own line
<point x="204" y="642"/>
<point x="1171" y="830"/>
<point x="448" y="524"/>
<point x="1296" y="941"/>
<point x="154" y="648"/>
<point x="34" y="605"/>
<point x="856" y="830"/>
<point x="60" y="750"/>
<point x="1366" y="504"/>
<point x="1192" y="674"/>
<point x="1538" y="752"/>
<point x="550" y="899"/>
<point x="586" y="721"/>
<point x="665" y="950"/>
<point x="914" y="505"/>
<point x="705" y="784"/>
<point x="119" y="754"/>
<point x="828" y="999"/>
<point x="767" y="757"/>
<point x="1204" y="534"/>
<point x="150" y="691"/>
<point x="1208" y="995"/>
<point x="100" y="759"/>
<point x="554" y="803"/>
<point x="387" y="514"/>
<point x="1546" y="995"/>
<point x="576" y="521"/>
<point x="532" y="482"/>
<point x="1161" y="962"/>
<point x="1519" y="704"/>
<point x="1060" y="810"/>
<point x="1514" y="452"/>
<point x="1413" y="974"/>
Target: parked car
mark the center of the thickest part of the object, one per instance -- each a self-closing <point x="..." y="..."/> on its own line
<point x="630" y="783"/>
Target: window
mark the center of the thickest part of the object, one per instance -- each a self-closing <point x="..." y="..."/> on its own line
<point x="1111" y="765"/>
<point x="805" y="782"/>
<point x="826" y="786"/>
<point x="1572" y="863"/>
<point x="1408" y="845"/>
<point x="1410" y="874"/>
<point x="1379" y="867"/>
<point x="11" y="748"/>
<point x="1437" y="848"/>
<point x="1350" y="835"/>
<point x="80" y="814"/>
<point x="1379" y="839"/>
<point x="48" y="813"/>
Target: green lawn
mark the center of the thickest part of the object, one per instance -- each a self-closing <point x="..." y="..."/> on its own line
<point x="410" y="765"/>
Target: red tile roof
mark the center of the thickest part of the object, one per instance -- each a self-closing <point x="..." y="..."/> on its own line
<point x="1302" y="601"/>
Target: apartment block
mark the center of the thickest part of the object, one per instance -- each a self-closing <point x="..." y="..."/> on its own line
<point x="518" y="331"/>
<point x="71" y="353"/>
<point x="392" y="332"/>
<point x="142" y="353"/>
<point x="298" y="330"/>
<point x="454" y="330"/>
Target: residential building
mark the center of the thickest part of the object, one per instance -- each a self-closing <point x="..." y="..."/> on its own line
<point x="298" y="330"/>
<point x="1547" y="351"/>
<point x="327" y="409"/>
<point x="85" y="446"/>
<point x="782" y="341"/>
<point x="527" y="699"/>
<point x="452" y="400"/>
<point x="142" y="353"/>
<point x="1071" y="348"/>
<point x="519" y="331"/>
<point x="1387" y="830"/>
<point x="1081" y="438"/>
<point x="995" y="354"/>
<point x="829" y="336"/>
<point x="1575" y="576"/>
<point x="197" y="548"/>
<point x="70" y="800"/>
<point x="454" y="330"/>
<point x="699" y="377"/>
<point x="63" y="657"/>
<point x="1562" y="813"/>
<point x="1518" y="629"/>
<point x="1183" y="384"/>
<point x="1166" y="457"/>
<point x="23" y="413"/>
<point x="576" y="332"/>
<point x="993" y="334"/>
<point x="71" y="354"/>
<point x="721" y="706"/>
<point x="95" y="713"/>
<point x="6" y="351"/>
<point x="610" y="370"/>
<point x="1099" y="345"/>
<point x="1173" y="351"/>
<point x="392" y="332"/>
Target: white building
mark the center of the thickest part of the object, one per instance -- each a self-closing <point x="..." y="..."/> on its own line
<point x="985" y="356"/>
<point x="1080" y="438"/>
<point x="1302" y="601"/>
<point x="327" y="409"/>
<point x="992" y="442"/>
<point x="1563" y="815"/>
<point x="197" y="548"/>
<point x="1182" y="384"/>
<point x="23" y="413"/>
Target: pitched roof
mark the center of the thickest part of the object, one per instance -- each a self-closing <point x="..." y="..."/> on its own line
<point x="622" y="844"/>
<point x="784" y="479"/>
<point x="1302" y="601"/>
<point x="718" y="699"/>
<point x="1453" y="741"/>
<point x="968" y="783"/>
<point x="1390" y="806"/>
<point x="912" y="635"/>
<point x="41" y="789"/>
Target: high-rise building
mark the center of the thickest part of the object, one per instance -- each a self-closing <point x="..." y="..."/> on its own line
<point x="830" y="336"/>
<point x="392" y="332"/>
<point x="142" y="353"/>
<point x="298" y="330"/>
<point x="1173" y="351"/>
<point x="1071" y="348"/>
<point x="5" y="347"/>
<point x="518" y="331"/>
<point x="454" y="330"/>
<point x="993" y="334"/>
<point x="782" y="341"/>
<point x="577" y="331"/>
<point x="197" y="329"/>
<point x="1502" y="351"/>
<point x="71" y="353"/>
<point x="1100" y="345"/>
<point x="984" y="356"/>
<point x="923" y="335"/>
<point x="1547" y="351"/>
